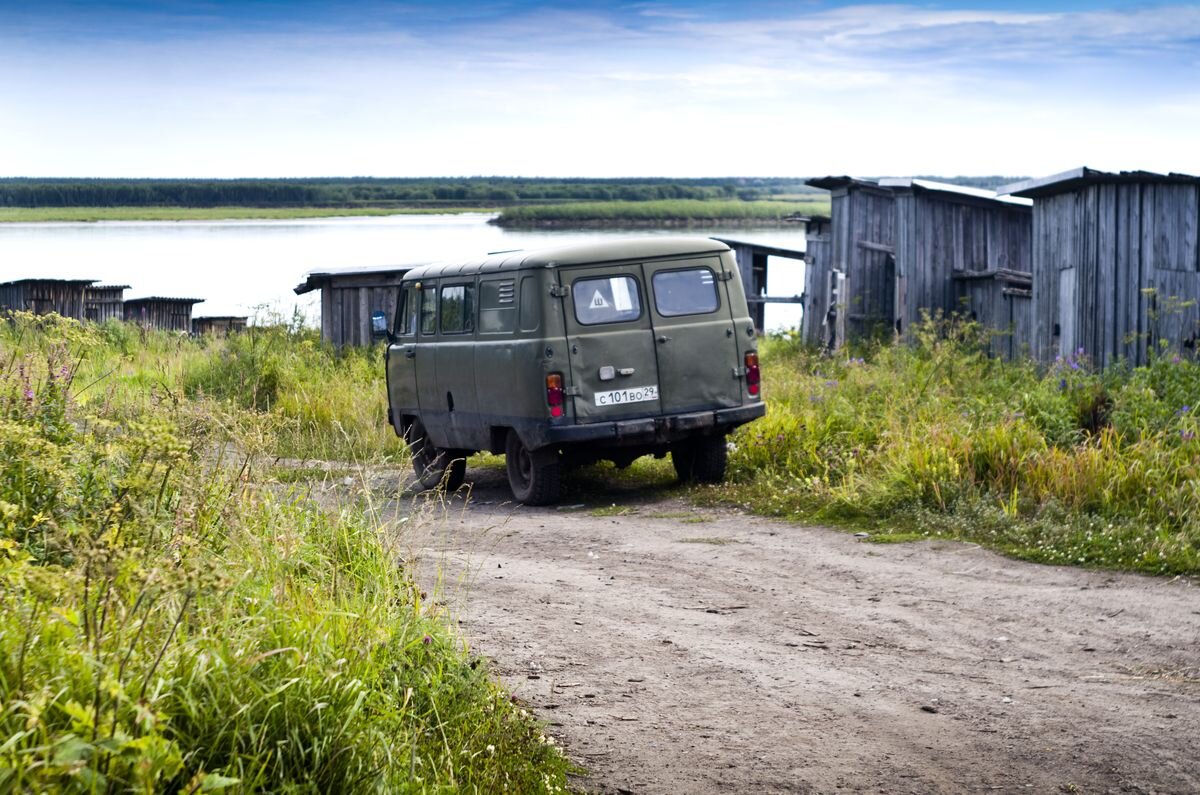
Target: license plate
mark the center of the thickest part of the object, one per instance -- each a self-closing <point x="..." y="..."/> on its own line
<point x="619" y="397"/>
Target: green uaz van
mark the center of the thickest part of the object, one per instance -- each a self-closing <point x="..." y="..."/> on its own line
<point x="574" y="355"/>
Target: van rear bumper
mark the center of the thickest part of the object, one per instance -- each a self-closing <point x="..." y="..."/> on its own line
<point x="670" y="428"/>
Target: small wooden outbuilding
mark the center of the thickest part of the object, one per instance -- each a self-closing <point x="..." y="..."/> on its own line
<point x="103" y="302"/>
<point x="358" y="305"/>
<point x="169" y="314"/>
<point x="1116" y="263"/>
<point x="218" y="325"/>
<point x="44" y="296"/>
<point x="898" y="248"/>
<point x="752" y="266"/>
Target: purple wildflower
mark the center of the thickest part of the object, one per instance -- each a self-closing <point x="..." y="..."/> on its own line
<point x="28" y="395"/>
<point x="831" y="383"/>
<point x="427" y="640"/>
<point x="1175" y="360"/>
<point x="1187" y="436"/>
<point x="1062" y="384"/>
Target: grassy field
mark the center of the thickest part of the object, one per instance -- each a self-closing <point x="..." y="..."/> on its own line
<point x="89" y="214"/>
<point x="1059" y="465"/>
<point x="174" y="616"/>
<point x="681" y="210"/>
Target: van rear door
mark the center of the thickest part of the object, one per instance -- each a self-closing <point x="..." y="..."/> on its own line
<point x="694" y="334"/>
<point x="610" y="341"/>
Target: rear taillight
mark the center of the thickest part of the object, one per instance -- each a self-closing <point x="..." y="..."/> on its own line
<point x="554" y="394"/>
<point x="753" y="376"/>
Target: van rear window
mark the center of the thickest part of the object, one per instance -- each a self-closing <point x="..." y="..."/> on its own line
<point x="686" y="292"/>
<point x="612" y="299"/>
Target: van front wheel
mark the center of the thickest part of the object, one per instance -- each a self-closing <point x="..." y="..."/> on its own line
<point x="701" y="460"/>
<point x="435" y="466"/>
<point x="535" y="476"/>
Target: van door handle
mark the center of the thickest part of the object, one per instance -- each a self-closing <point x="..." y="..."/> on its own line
<point x="410" y="353"/>
<point x="664" y="338"/>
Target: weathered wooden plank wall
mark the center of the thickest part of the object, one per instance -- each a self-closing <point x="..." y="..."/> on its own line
<point x="104" y="303"/>
<point x="1117" y="271"/>
<point x="346" y="312"/>
<point x="45" y="297"/>
<point x="165" y="314"/>
<point x="817" y="263"/>
<point x="862" y="246"/>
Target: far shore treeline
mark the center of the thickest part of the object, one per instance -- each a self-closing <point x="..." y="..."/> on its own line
<point x="415" y="192"/>
<point x="379" y="192"/>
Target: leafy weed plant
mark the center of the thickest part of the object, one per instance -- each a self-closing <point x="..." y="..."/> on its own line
<point x="1060" y="464"/>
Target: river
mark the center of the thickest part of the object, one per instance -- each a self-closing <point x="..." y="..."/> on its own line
<point x="250" y="267"/>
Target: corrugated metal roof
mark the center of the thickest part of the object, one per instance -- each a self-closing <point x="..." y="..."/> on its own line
<point x="313" y="280"/>
<point x="913" y="183"/>
<point x="949" y="187"/>
<point x="48" y="281"/>
<point x="1083" y="176"/>
<point x="163" y="300"/>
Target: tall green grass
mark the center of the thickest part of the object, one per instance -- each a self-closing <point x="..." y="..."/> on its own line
<point x="1059" y="464"/>
<point x="172" y="619"/>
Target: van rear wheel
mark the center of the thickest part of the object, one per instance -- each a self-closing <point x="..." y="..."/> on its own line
<point x="535" y="476"/>
<point x="435" y="466"/>
<point x="702" y="460"/>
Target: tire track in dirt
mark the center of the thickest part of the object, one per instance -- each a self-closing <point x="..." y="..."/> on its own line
<point x="679" y="649"/>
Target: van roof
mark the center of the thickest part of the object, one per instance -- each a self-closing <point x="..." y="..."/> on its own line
<point x="579" y="254"/>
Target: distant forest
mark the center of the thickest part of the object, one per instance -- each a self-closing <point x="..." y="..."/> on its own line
<point x="406" y="192"/>
<point x="372" y="192"/>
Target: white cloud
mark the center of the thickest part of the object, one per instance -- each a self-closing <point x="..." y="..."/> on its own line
<point x="865" y="89"/>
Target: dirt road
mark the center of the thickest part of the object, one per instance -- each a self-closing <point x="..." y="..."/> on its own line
<point x="679" y="649"/>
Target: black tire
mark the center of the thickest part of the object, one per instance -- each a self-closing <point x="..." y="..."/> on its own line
<point x="535" y="476"/>
<point x="702" y="459"/>
<point x="435" y="466"/>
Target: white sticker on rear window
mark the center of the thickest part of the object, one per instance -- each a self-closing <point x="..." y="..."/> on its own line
<point x="608" y="299"/>
<point x="620" y="293"/>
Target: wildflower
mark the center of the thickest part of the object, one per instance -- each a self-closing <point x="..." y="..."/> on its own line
<point x="1187" y="436"/>
<point x="1175" y="360"/>
<point x="427" y="640"/>
<point x="28" y="395"/>
<point x="491" y="749"/>
<point x="831" y="383"/>
<point x="1062" y="384"/>
<point x="1184" y="410"/>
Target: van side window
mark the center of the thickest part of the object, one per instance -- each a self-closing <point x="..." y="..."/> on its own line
<point x="612" y="299"/>
<point x="497" y="306"/>
<point x="685" y="292"/>
<point x="530" y="305"/>
<point x="406" y="312"/>
<point x="458" y="308"/>
<point x="428" y="311"/>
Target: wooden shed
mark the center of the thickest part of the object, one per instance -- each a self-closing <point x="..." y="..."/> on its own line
<point x="358" y="305"/>
<point x="752" y="267"/>
<point x="1116" y="263"/>
<point x="170" y="314"/>
<point x="103" y="302"/>
<point x="218" y="325"/>
<point x="898" y="248"/>
<point x="44" y="296"/>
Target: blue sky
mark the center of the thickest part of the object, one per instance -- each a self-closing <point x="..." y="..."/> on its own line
<point x="306" y="88"/>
